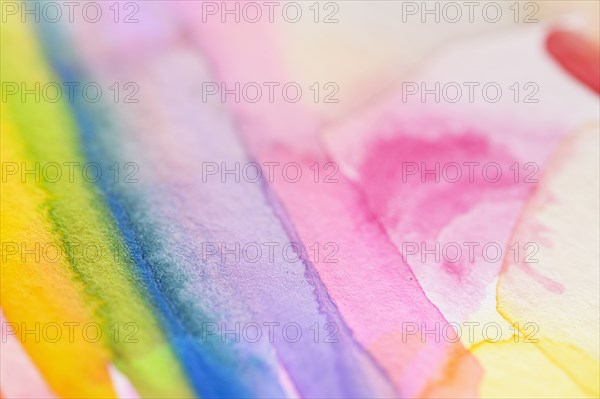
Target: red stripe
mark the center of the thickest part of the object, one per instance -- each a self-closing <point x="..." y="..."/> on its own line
<point x="578" y="55"/>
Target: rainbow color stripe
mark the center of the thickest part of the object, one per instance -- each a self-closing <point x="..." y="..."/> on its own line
<point x="158" y="301"/>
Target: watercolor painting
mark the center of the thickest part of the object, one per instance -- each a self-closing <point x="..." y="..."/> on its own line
<point x="300" y="199"/>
